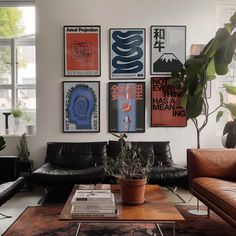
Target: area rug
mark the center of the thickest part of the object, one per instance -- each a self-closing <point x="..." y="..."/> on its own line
<point x="43" y="221"/>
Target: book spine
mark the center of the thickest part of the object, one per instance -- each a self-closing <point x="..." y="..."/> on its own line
<point x="93" y="211"/>
<point x="94" y="215"/>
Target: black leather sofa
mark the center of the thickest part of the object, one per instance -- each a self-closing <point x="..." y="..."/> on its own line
<point x="67" y="164"/>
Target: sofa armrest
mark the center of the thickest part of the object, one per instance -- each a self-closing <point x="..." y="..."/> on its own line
<point x="216" y="163"/>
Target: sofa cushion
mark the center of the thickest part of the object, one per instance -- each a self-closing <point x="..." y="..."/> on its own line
<point x="79" y="155"/>
<point x="173" y="175"/>
<point x="113" y="148"/>
<point x="160" y="150"/>
<point x="221" y="193"/>
<point x="54" y="175"/>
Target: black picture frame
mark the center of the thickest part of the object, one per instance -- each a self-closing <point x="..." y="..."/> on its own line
<point x="127" y="53"/>
<point x="81" y="106"/>
<point x="166" y="109"/>
<point x="168" y="48"/>
<point x="126" y="107"/>
<point x="82" y="50"/>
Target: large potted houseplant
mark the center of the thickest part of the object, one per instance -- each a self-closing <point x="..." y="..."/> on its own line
<point x="197" y="71"/>
<point x="131" y="169"/>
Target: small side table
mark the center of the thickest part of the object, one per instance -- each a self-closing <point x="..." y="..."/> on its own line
<point x="25" y="169"/>
<point x="8" y="168"/>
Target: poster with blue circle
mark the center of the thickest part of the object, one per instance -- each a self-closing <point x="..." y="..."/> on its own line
<point x="81" y="109"/>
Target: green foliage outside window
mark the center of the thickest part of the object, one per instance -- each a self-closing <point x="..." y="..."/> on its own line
<point x="10" y="26"/>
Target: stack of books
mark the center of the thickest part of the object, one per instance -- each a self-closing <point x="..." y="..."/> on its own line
<point x="93" y="203"/>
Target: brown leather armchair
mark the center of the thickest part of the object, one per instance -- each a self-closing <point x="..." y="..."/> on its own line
<point x="212" y="179"/>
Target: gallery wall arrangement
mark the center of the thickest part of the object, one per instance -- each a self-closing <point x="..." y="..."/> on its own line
<point x="127" y="63"/>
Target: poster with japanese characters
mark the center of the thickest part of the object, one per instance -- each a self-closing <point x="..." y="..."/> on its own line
<point x="168" y="49"/>
<point x="127" y="53"/>
<point x="165" y="104"/>
<point x="81" y="106"/>
<point x="82" y="51"/>
<point x="126" y="107"/>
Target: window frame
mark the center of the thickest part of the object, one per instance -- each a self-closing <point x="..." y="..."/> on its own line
<point x="14" y="86"/>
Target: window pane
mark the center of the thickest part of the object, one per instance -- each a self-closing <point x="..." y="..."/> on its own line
<point x="26" y="64"/>
<point x="5" y="99"/>
<point x="27" y="97"/>
<point x="5" y="65"/>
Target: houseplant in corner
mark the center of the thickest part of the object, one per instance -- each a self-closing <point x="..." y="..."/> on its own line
<point x="192" y="78"/>
<point x="131" y="169"/>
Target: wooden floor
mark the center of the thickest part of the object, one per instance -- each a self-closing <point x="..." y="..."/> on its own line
<point x="21" y="200"/>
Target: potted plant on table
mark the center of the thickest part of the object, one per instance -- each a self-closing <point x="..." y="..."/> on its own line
<point x="131" y="169"/>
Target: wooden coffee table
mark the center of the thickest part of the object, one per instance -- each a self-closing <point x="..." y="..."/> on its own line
<point x="157" y="209"/>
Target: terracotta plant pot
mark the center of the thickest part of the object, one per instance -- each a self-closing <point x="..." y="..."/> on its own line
<point x="132" y="191"/>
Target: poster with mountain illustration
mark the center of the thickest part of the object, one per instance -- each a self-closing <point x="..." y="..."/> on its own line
<point x="168" y="49"/>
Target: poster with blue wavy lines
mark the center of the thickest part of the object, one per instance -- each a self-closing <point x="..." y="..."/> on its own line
<point x="127" y="53"/>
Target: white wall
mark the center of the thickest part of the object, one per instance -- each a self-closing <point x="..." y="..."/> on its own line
<point x="198" y="16"/>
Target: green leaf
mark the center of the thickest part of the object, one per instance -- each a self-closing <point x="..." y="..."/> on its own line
<point x="224" y="54"/>
<point x="194" y="106"/>
<point x="233" y="19"/>
<point x="229" y="27"/>
<point x="219" y="115"/>
<point x="232" y="108"/>
<point x="211" y="72"/>
<point x="221" y="98"/>
<point x="230" y="89"/>
<point x="228" y="127"/>
<point x="216" y="42"/>
<point x="183" y="100"/>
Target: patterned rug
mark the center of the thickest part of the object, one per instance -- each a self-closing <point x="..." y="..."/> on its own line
<point x="43" y="221"/>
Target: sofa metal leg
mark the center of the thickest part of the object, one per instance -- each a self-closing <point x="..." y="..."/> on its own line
<point x="41" y="200"/>
<point x="198" y="211"/>
<point x="208" y="212"/>
<point x="4" y="216"/>
<point x="174" y="190"/>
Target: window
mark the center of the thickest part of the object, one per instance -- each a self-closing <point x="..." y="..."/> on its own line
<point x="17" y="62"/>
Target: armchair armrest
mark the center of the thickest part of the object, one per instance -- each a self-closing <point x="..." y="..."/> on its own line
<point x="217" y="163"/>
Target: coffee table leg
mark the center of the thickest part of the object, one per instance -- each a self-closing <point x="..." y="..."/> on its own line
<point x="77" y="230"/>
<point x="160" y="231"/>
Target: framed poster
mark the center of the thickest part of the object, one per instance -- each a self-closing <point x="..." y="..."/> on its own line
<point x="165" y="102"/>
<point x="126" y="107"/>
<point x="168" y="49"/>
<point x="81" y="106"/>
<point x="82" y="51"/>
<point x="127" y="53"/>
